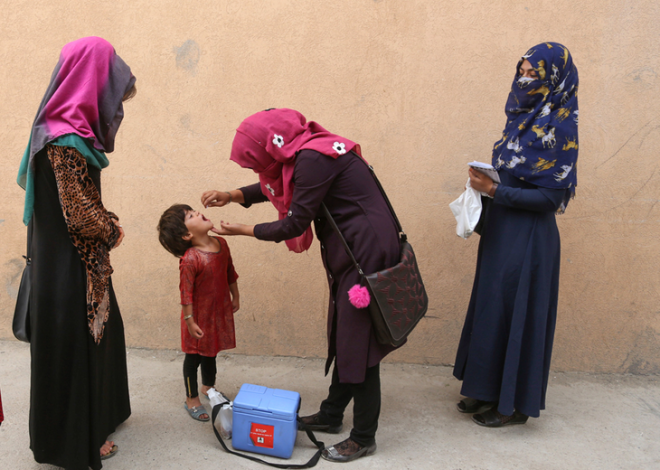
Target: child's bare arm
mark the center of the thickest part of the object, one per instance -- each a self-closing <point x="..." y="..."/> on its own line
<point x="193" y="328"/>
<point x="235" y="300"/>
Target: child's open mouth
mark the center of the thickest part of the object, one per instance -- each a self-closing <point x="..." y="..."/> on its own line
<point x="204" y="218"/>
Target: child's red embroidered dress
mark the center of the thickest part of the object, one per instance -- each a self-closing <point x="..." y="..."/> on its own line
<point x="204" y="283"/>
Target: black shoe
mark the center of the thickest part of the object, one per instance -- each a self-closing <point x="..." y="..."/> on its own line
<point x="494" y="419"/>
<point x="347" y="451"/>
<point x="313" y="423"/>
<point x="471" y="405"/>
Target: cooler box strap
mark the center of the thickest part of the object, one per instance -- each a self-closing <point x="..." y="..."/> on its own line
<point x="312" y="462"/>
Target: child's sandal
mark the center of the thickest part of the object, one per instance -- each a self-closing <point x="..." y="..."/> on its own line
<point x="196" y="411"/>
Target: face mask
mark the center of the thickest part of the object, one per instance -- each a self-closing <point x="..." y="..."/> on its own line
<point x="526" y="94"/>
<point x="524" y="82"/>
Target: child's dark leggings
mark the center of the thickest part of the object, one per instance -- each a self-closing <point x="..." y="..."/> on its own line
<point x="190" y="365"/>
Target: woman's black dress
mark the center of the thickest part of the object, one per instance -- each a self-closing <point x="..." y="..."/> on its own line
<point x="506" y="345"/>
<point x="79" y="390"/>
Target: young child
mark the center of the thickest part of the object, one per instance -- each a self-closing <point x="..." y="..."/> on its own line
<point x="209" y="296"/>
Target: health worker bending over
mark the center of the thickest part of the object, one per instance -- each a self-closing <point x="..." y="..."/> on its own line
<point x="301" y="165"/>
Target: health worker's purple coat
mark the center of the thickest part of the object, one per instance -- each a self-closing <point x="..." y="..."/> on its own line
<point x="351" y="195"/>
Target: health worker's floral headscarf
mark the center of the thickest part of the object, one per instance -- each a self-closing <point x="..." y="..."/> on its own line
<point x="268" y="143"/>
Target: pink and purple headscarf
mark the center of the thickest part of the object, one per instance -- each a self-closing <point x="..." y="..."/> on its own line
<point x="268" y="143"/>
<point x="84" y="97"/>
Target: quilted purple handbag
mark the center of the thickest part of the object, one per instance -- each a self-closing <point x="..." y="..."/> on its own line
<point x="398" y="297"/>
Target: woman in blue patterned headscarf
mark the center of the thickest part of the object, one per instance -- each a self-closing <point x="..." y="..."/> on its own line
<point x="540" y="141"/>
<point x="504" y="353"/>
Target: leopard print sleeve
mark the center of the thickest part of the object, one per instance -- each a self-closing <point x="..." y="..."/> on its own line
<point x="81" y="202"/>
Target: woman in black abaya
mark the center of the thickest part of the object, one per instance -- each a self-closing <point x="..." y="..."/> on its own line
<point x="79" y="383"/>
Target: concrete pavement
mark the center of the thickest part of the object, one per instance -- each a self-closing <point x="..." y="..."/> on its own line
<point x="591" y="422"/>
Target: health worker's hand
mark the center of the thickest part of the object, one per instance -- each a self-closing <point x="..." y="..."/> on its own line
<point x="234" y="229"/>
<point x="215" y="198"/>
<point x="235" y="304"/>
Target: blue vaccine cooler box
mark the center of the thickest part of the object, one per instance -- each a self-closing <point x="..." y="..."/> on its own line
<point x="264" y="420"/>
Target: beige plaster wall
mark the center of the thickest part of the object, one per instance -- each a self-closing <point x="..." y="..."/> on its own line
<point x="421" y="85"/>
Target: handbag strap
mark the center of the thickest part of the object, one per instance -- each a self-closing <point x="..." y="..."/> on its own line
<point x="28" y="257"/>
<point x="402" y="235"/>
<point x="310" y="463"/>
<point x="328" y="216"/>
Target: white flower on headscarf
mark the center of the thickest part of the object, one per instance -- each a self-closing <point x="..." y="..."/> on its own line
<point x="340" y="148"/>
<point x="278" y="140"/>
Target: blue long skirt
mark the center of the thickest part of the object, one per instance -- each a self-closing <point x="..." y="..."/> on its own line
<point x="506" y="345"/>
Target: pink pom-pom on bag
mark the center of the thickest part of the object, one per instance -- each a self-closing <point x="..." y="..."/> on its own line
<point x="359" y="296"/>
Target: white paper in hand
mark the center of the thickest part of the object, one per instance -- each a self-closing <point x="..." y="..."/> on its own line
<point x="487" y="169"/>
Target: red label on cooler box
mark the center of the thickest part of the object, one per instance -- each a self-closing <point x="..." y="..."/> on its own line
<point x="262" y="435"/>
